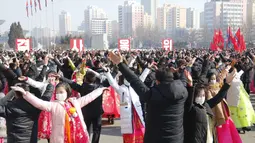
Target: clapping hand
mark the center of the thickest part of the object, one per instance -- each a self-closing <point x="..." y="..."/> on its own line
<point x="115" y="58"/>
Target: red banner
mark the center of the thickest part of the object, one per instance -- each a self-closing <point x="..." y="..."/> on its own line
<point x="77" y="45"/>
<point x="124" y="44"/>
<point x="167" y="44"/>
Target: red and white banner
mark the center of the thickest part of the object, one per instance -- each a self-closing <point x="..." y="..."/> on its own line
<point x="77" y="45"/>
<point x="167" y="44"/>
<point x="124" y="44"/>
<point x="23" y="45"/>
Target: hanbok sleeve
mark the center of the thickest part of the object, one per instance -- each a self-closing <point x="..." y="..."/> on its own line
<point x="38" y="103"/>
<point x="84" y="100"/>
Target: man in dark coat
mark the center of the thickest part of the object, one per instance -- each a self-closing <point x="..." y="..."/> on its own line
<point x="92" y="112"/>
<point x="21" y="116"/>
<point x="165" y="104"/>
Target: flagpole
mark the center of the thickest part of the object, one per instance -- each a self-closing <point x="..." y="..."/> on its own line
<point x="31" y="36"/>
<point x="46" y="13"/>
<point x="54" y="40"/>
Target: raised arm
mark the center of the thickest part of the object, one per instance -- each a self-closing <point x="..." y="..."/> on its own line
<point x="83" y="101"/>
<point x="219" y="97"/>
<point x="39" y="85"/>
<point x="37" y="103"/>
<point x="140" y="88"/>
<point x="112" y="82"/>
<point x="144" y="75"/>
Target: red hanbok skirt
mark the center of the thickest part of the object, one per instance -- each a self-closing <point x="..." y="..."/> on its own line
<point x="111" y="103"/>
<point x="138" y="133"/>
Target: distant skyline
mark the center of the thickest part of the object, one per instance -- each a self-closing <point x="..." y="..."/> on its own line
<point x="15" y="10"/>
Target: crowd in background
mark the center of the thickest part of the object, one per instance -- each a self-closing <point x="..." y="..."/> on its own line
<point x="181" y="96"/>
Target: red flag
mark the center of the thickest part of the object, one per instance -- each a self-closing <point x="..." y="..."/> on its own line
<point x="27" y="8"/>
<point x="35" y="5"/>
<point x="243" y="45"/>
<point x="238" y="35"/>
<point x="46" y="3"/>
<point x="31" y="4"/>
<point x="39" y="4"/>
<point x="221" y="40"/>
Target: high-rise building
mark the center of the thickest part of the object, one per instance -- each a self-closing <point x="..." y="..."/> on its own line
<point x="202" y="19"/>
<point x="115" y="30"/>
<point x="42" y="32"/>
<point x="193" y="18"/>
<point x="64" y="23"/>
<point x="250" y="21"/>
<point x="101" y="26"/>
<point x="131" y="16"/>
<point x="92" y="13"/>
<point x="162" y="13"/>
<point x="147" y="21"/>
<point x="176" y="18"/>
<point x="221" y="14"/>
<point x="150" y="7"/>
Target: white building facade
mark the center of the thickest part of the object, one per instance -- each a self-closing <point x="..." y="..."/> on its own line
<point x="131" y="16"/>
<point x="150" y="7"/>
<point x="221" y="14"/>
<point x="91" y="13"/>
<point x="65" y="26"/>
<point x="193" y="18"/>
<point x="101" y="26"/>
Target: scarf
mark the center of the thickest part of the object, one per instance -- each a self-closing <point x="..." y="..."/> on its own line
<point x="74" y="132"/>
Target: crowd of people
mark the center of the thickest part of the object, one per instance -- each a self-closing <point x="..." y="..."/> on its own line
<point x="181" y="96"/>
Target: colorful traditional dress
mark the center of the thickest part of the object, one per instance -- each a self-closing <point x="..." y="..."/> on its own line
<point x="111" y="103"/>
<point x="44" y="122"/>
<point x="240" y="105"/>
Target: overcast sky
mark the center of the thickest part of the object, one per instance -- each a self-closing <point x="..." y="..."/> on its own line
<point x="15" y="10"/>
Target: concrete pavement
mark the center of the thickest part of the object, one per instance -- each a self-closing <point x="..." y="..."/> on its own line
<point x="111" y="134"/>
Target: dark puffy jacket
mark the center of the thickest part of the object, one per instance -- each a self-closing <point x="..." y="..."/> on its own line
<point x="195" y="121"/>
<point x="93" y="109"/>
<point x="165" y="108"/>
<point x="21" y="117"/>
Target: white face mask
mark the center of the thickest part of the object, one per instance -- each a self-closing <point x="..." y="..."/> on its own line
<point x="126" y="82"/>
<point x="213" y="81"/>
<point x="61" y="97"/>
<point x="200" y="100"/>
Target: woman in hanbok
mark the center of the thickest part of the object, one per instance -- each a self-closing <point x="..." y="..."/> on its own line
<point x="240" y="105"/>
<point x="68" y="125"/>
<point x="132" y="121"/>
<point x="225" y="128"/>
<point x="44" y="121"/>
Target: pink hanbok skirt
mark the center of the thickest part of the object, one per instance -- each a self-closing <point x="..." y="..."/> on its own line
<point x="227" y="133"/>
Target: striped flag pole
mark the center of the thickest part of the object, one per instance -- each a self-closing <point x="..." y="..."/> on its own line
<point x="39" y="4"/>
<point x="27" y="8"/>
<point x="31" y="4"/>
<point x="35" y="4"/>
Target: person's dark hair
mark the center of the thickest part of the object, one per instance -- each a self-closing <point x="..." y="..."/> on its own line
<point x="164" y="74"/>
<point x="67" y="88"/>
<point x="90" y="77"/>
<point x="22" y="85"/>
<point x="198" y="88"/>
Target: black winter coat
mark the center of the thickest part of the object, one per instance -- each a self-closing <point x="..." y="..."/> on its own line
<point x="165" y="108"/>
<point x="195" y="121"/>
<point x="21" y="117"/>
<point x="93" y="109"/>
